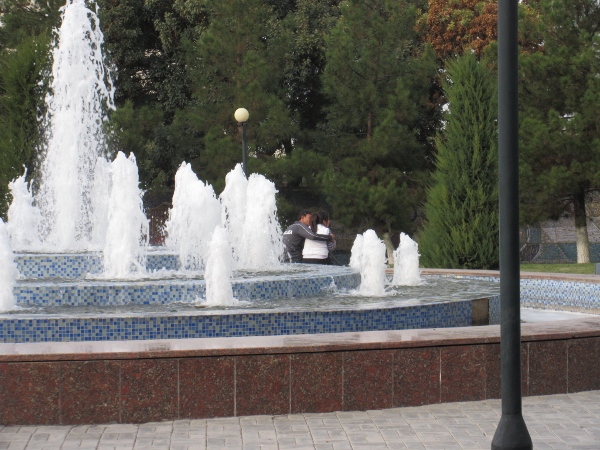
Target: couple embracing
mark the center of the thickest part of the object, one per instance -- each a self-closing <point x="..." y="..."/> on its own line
<point x="309" y="240"/>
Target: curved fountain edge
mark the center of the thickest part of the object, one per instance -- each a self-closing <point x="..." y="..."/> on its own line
<point x="583" y="278"/>
<point x="144" y="381"/>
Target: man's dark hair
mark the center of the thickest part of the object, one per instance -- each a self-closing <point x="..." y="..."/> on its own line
<point x="303" y="213"/>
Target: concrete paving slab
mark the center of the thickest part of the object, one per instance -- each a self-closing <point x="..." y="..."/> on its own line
<point x="559" y="422"/>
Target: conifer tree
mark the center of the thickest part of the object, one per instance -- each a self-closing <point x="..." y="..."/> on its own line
<point x="560" y="106"/>
<point x="377" y="79"/>
<point x="462" y="205"/>
<point x="236" y="62"/>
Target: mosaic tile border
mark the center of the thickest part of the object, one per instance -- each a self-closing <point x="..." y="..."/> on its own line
<point x="542" y="293"/>
<point x="546" y="294"/>
<point x="98" y="293"/>
<point x="53" y="328"/>
<point x="78" y="265"/>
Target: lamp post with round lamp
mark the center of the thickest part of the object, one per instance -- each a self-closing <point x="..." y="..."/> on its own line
<point x="241" y="115"/>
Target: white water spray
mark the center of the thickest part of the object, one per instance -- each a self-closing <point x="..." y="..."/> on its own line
<point x="127" y="232"/>
<point x="233" y="200"/>
<point x="81" y="91"/>
<point x="8" y="271"/>
<point x="261" y="246"/>
<point x="219" y="271"/>
<point x="356" y="252"/>
<point x="368" y="256"/>
<point x="100" y="199"/>
<point x="406" y="267"/>
<point x="195" y="214"/>
<point x="24" y="218"/>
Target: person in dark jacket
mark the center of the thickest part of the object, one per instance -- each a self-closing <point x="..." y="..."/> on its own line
<point x="294" y="236"/>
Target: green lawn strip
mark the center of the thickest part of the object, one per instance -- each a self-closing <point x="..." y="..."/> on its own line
<point x="559" y="268"/>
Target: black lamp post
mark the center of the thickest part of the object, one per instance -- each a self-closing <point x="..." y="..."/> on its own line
<point x="512" y="432"/>
<point x="242" y="115"/>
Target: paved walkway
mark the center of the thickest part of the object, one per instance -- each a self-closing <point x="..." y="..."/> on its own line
<point x="555" y="422"/>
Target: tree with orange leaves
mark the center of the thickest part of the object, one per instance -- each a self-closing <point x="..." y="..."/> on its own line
<point x="453" y="26"/>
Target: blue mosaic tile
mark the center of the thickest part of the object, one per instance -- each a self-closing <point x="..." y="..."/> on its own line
<point x="135" y="326"/>
<point x="79" y="265"/>
<point x="58" y="266"/>
<point x="98" y="293"/>
<point x="262" y="323"/>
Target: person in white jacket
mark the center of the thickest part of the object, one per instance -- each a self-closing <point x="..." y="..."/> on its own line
<point x="314" y="251"/>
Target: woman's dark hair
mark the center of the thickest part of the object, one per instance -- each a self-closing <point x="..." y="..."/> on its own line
<point x="317" y="219"/>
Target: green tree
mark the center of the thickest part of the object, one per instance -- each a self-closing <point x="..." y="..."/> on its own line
<point x="144" y="41"/>
<point x="377" y="79"/>
<point x="24" y="18"/>
<point x="560" y="106"/>
<point x="20" y="97"/>
<point x="236" y="62"/>
<point x="461" y="230"/>
<point x="310" y="24"/>
<point x="24" y="37"/>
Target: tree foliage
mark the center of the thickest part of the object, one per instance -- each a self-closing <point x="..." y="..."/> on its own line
<point x="455" y="26"/>
<point x="309" y="23"/>
<point x="236" y="62"/>
<point x="462" y="204"/>
<point x="24" y="38"/>
<point x="377" y="78"/>
<point x="144" y="41"/>
<point x="560" y="106"/>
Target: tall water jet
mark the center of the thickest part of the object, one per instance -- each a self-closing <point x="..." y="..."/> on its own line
<point x="262" y="245"/>
<point x="356" y="252"/>
<point x="100" y="200"/>
<point x="8" y="271"/>
<point x="81" y="92"/>
<point x="127" y="232"/>
<point x="370" y="260"/>
<point x="24" y="217"/>
<point x="195" y="214"/>
<point x="406" y="267"/>
<point x="219" y="271"/>
<point x="250" y="217"/>
<point x="233" y="200"/>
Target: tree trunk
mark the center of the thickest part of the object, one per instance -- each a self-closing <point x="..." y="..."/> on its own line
<point x="387" y="239"/>
<point x="581" y="232"/>
<point x="369" y="118"/>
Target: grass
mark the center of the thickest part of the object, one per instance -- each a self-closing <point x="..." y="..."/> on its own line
<point x="559" y="268"/>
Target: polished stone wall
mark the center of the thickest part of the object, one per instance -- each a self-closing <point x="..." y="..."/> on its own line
<point x="144" y="381"/>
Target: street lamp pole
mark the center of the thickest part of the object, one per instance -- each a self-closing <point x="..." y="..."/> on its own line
<point x="242" y="115"/>
<point x="512" y="432"/>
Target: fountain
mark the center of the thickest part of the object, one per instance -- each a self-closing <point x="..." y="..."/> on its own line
<point x="188" y="235"/>
<point x="406" y="268"/>
<point x="219" y="271"/>
<point x="222" y="253"/>
<point x="127" y="230"/>
<point x="24" y="218"/>
<point x="370" y="260"/>
<point x="73" y="157"/>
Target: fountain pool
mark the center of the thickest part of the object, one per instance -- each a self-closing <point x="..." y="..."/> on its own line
<point x="62" y="298"/>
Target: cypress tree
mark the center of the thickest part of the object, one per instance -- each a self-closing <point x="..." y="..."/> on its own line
<point x="462" y="206"/>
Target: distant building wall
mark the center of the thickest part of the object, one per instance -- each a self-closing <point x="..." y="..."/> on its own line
<point x="553" y="242"/>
